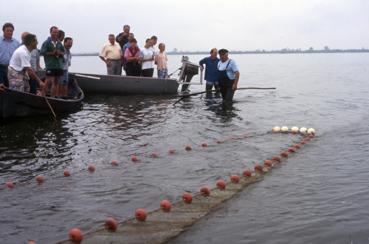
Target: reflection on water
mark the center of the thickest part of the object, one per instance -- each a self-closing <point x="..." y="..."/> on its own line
<point x="317" y="196"/>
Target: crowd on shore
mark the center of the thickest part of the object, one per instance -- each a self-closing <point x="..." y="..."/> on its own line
<point x="121" y="52"/>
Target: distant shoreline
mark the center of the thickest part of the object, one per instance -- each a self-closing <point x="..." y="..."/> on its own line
<point x="283" y="51"/>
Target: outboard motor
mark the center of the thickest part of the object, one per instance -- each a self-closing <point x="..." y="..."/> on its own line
<point x="188" y="70"/>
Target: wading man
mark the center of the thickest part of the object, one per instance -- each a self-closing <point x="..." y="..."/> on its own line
<point x="228" y="75"/>
<point x="211" y="71"/>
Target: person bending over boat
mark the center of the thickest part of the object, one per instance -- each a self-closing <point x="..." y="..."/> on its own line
<point x="111" y="54"/>
<point x="53" y="51"/>
<point x="64" y="79"/>
<point x="228" y="76"/>
<point x="161" y="60"/>
<point x="132" y="56"/>
<point x="8" y="44"/>
<point x="147" y="55"/>
<point x="20" y="69"/>
<point x="211" y="71"/>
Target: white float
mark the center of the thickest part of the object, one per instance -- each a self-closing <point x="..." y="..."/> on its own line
<point x="311" y="131"/>
<point x="276" y="129"/>
<point x="303" y="130"/>
<point x="284" y="129"/>
<point x="295" y="129"/>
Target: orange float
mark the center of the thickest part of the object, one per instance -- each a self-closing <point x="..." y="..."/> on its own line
<point x="258" y="167"/>
<point x="268" y="163"/>
<point x="154" y="155"/>
<point x="66" y="173"/>
<point x="284" y="154"/>
<point x="75" y="235"/>
<point x="91" y="168"/>
<point x="9" y="184"/>
<point x="114" y="162"/>
<point x="141" y="214"/>
<point x="221" y="184"/>
<point x="204" y="144"/>
<point x="134" y="158"/>
<point x="205" y="191"/>
<point x="187" y="197"/>
<point x="165" y="205"/>
<point x="276" y="158"/>
<point x="188" y="148"/>
<point x="235" y="179"/>
<point x="40" y="179"/>
<point x="247" y="173"/>
<point x="172" y="151"/>
<point x="111" y="224"/>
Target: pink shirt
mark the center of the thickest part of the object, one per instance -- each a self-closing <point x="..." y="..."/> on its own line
<point x="128" y="54"/>
<point x="161" y="60"/>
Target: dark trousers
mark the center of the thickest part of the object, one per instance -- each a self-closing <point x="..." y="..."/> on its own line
<point x="33" y="86"/>
<point x="133" y="69"/>
<point x="4" y="75"/>
<point x="147" y="72"/>
<point x="226" y="91"/>
<point x="209" y="88"/>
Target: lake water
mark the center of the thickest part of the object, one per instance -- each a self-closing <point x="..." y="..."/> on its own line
<point x="320" y="195"/>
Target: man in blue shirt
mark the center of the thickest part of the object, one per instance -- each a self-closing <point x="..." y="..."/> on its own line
<point x="211" y="70"/>
<point x="7" y="47"/>
<point x="228" y="75"/>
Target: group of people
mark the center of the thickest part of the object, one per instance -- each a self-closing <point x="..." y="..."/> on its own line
<point x="121" y="52"/>
<point x="221" y="73"/>
<point x="20" y="62"/>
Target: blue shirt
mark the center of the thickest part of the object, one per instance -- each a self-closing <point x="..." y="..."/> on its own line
<point x="231" y="69"/>
<point x="7" y="48"/>
<point x="211" y="70"/>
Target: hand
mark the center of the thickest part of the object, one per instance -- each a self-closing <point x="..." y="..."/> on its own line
<point x="201" y="68"/>
<point x="108" y="63"/>
<point x="41" y="84"/>
<point x="234" y="86"/>
<point x="2" y="88"/>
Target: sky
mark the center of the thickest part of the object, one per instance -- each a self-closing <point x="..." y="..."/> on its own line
<point x="198" y="25"/>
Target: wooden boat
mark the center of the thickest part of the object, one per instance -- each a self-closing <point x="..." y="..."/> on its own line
<point x="134" y="85"/>
<point x="124" y="85"/>
<point x="22" y="104"/>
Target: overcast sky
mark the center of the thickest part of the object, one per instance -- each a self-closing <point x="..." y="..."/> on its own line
<point x="198" y="24"/>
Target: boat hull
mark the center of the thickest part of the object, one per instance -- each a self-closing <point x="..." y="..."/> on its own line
<point x="21" y="104"/>
<point x="124" y="85"/>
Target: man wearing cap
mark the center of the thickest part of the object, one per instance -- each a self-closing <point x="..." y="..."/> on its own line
<point x="228" y="75"/>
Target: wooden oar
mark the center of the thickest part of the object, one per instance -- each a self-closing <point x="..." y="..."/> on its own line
<point x="241" y="88"/>
<point x="88" y="76"/>
<point x="50" y="107"/>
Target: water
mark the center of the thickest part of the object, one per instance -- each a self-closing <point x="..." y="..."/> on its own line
<point x="320" y="195"/>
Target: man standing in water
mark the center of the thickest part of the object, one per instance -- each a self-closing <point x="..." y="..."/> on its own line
<point x="211" y="71"/>
<point x="228" y="76"/>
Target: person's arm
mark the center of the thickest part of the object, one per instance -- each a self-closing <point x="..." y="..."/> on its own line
<point x="201" y="63"/>
<point x="237" y="77"/>
<point x="46" y="52"/>
<point x="102" y="57"/>
<point x="34" y="76"/>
